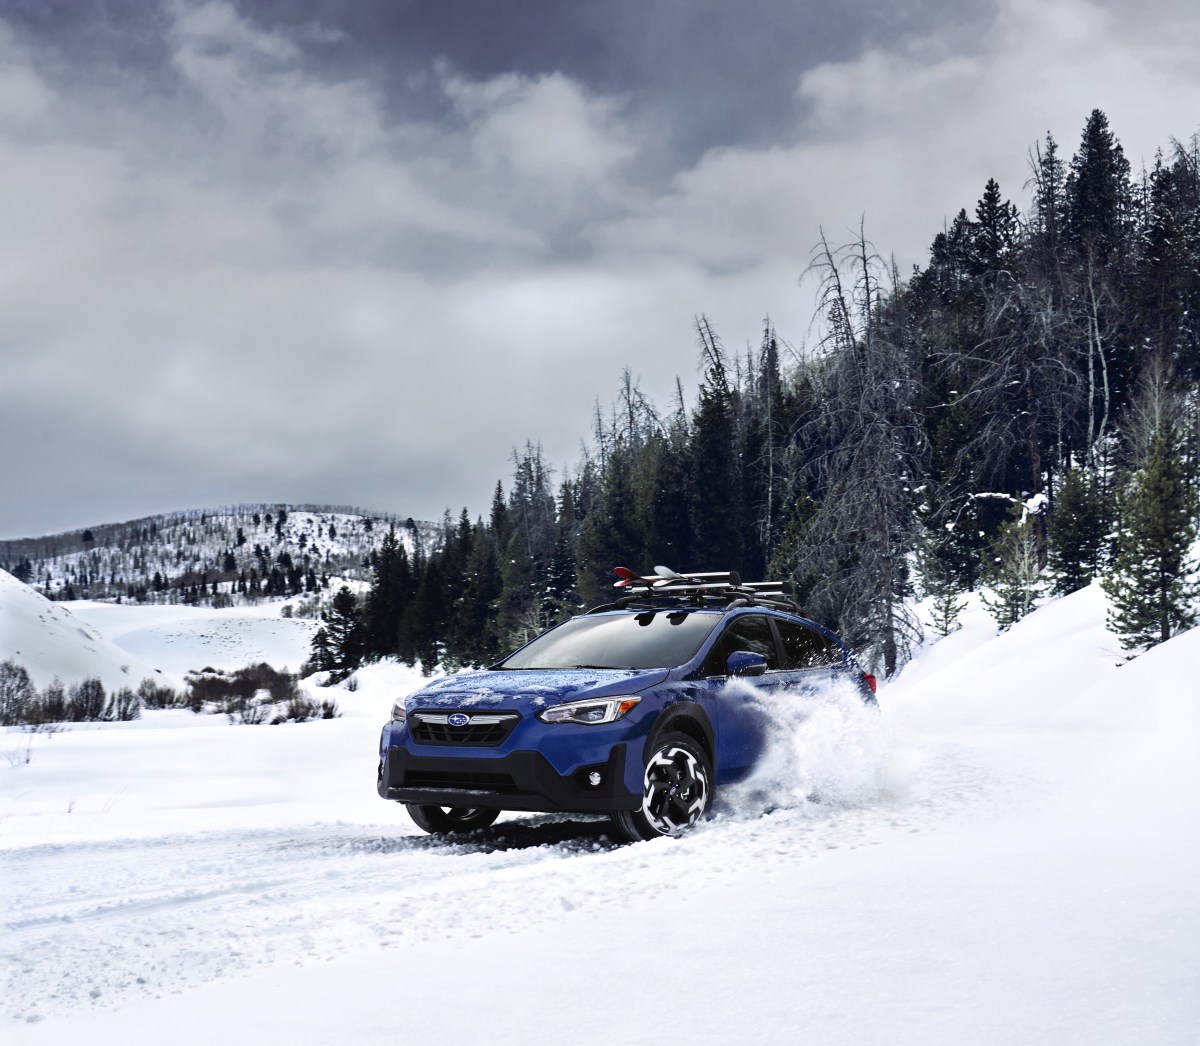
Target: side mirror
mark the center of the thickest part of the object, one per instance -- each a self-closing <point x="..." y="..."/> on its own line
<point x="744" y="663"/>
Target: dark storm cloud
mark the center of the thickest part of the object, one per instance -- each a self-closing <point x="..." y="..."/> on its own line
<point x="705" y="73"/>
<point x="355" y="252"/>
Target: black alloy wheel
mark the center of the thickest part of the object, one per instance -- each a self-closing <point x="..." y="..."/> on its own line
<point x="677" y="790"/>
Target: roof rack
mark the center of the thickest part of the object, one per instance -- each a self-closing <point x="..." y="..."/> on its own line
<point x="722" y="588"/>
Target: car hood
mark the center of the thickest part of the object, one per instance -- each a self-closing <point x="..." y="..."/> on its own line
<point x="531" y="689"/>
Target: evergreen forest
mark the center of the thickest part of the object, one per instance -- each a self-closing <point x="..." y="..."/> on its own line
<point x="1019" y="414"/>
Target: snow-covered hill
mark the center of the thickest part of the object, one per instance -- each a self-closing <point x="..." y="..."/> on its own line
<point x="1009" y="854"/>
<point x="182" y="639"/>
<point x="122" y="644"/>
<point x="238" y="554"/>
<point x="53" y="642"/>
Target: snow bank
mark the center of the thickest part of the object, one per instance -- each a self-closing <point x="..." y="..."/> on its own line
<point x="978" y="679"/>
<point x="182" y="639"/>
<point x="51" y="641"/>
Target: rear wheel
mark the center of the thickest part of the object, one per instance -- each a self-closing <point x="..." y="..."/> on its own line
<point x="441" y="820"/>
<point x="677" y="790"/>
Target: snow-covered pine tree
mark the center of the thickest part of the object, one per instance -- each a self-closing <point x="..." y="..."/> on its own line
<point x="344" y="631"/>
<point x="1153" y="585"/>
<point x="1076" y="529"/>
<point x="945" y="610"/>
<point x="1015" y="580"/>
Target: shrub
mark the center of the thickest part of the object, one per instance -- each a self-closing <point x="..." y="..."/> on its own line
<point x="125" y="706"/>
<point x="154" y="695"/>
<point x="254" y="694"/>
<point x="18" y="697"/>
<point x="301" y="709"/>
<point x="87" y="702"/>
<point x="54" y="702"/>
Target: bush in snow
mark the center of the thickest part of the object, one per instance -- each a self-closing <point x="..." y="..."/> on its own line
<point x="54" y="702"/>
<point x="253" y="695"/>
<point x="154" y="695"/>
<point x="301" y="709"/>
<point x="18" y="698"/>
<point x="124" y="706"/>
<point x="87" y="701"/>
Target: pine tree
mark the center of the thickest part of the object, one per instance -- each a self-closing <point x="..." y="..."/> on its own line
<point x="715" y="480"/>
<point x="344" y="631"/>
<point x="388" y="598"/>
<point x="1097" y="193"/>
<point x="426" y="620"/>
<point x="940" y="581"/>
<point x="322" y="656"/>
<point x="1015" y="580"/>
<point x="474" y="637"/>
<point x="994" y="233"/>
<point x="1076" y="534"/>
<point x="945" y="610"/>
<point x="1153" y="585"/>
<point x="610" y="535"/>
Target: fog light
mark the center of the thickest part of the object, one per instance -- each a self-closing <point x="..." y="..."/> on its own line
<point x="594" y="778"/>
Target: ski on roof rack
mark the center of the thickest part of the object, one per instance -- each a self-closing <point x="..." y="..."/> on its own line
<point x="714" y="587"/>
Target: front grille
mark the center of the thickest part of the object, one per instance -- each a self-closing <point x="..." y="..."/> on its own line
<point x="475" y="782"/>
<point x="483" y="731"/>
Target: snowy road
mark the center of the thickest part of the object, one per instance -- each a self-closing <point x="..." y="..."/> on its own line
<point x="977" y="873"/>
<point x="99" y="926"/>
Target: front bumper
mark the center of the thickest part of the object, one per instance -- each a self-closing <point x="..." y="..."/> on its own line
<point x="521" y="780"/>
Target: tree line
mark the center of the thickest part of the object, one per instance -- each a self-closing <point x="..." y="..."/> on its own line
<point x="1019" y="413"/>
<point x="219" y="557"/>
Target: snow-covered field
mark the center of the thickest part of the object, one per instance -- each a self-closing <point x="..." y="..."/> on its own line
<point x="1009" y="854"/>
<point x="122" y="644"/>
<point x="180" y="639"/>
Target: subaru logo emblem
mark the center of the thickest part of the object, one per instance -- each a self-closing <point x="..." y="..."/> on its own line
<point x="458" y="719"/>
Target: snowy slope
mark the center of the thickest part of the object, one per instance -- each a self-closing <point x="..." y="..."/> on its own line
<point x="182" y="639"/>
<point x="51" y="641"/>
<point x="120" y="560"/>
<point x="1008" y="855"/>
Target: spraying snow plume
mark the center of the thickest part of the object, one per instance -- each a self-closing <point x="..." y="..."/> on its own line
<point x="822" y="747"/>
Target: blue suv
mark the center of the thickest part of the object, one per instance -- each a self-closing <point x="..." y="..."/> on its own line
<point x="624" y="710"/>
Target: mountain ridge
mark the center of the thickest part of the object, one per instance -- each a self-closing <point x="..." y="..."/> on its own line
<point x="218" y="556"/>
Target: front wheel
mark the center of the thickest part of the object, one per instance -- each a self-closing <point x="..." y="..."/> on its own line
<point x="676" y="793"/>
<point x="441" y="820"/>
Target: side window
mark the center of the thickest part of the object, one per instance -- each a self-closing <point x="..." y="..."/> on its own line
<point x="807" y="648"/>
<point x="751" y="632"/>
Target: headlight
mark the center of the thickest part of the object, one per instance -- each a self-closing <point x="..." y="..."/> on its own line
<point x="593" y="712"/>
<point x="398" y="713"/>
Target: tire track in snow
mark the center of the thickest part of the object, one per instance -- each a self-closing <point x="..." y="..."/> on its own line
<point x="94" y="924"/>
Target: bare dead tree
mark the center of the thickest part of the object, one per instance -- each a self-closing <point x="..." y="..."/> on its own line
<point x="867" y="454"/>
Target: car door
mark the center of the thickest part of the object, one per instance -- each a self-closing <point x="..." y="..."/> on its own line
<point x="735" y="712"/>
<point x="811" y="659"/>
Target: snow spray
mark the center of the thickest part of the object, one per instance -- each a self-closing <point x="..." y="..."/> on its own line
<point x="823" y="747"/>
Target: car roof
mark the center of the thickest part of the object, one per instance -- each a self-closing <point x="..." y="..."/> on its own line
<point x="735" y="609"/>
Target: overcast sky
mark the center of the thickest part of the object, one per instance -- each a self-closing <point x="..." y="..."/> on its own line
<point x="354" y="251"/>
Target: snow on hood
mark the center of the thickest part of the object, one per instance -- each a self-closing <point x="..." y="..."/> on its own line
<point x="530" y="687"/>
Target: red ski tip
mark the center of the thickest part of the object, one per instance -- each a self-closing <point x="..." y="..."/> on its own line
<point x="625" y="574"/>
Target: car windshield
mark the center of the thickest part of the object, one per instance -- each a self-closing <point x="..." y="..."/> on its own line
<point x="651" y="639"/>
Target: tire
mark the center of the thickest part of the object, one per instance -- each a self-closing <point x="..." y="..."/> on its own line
<point x="444" y="820"/>
<point x="677" y="790"/>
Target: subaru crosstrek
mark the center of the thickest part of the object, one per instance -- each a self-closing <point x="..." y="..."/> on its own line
<point x="625" y="710"/>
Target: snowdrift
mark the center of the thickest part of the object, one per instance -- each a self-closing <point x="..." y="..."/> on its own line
<point x="51" y="641"/>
